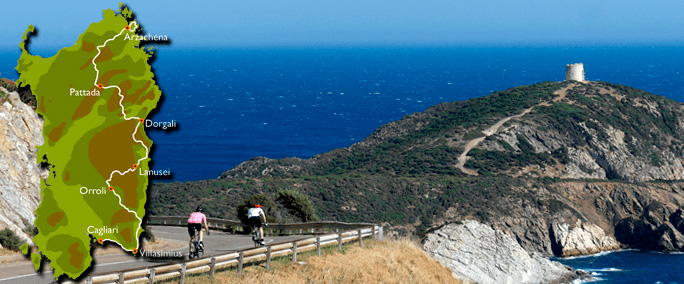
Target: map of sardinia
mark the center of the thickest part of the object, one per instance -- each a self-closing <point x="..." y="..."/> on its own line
<point x="94" y="97"/>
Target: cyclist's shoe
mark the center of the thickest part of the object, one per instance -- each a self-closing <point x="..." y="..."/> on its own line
<point x="201" y="246"/>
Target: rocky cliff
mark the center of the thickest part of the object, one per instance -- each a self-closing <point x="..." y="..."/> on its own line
<point x="565" y="168"/>
<point x="477" y="253"/>
<point x="20" y="174"/>
<point x="581" y="239"/>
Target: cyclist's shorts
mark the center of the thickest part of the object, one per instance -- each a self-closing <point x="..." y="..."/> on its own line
<point x="254" y="221"/>
<point x="192" y="227"/>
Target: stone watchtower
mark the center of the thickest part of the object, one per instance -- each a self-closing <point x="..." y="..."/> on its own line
<point x="574" y="72"/>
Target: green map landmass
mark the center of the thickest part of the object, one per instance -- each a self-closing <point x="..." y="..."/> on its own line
<point x="93" y="97"/>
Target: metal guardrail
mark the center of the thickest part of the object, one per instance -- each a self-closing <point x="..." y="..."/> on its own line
<point x="351" y="232"/>
<point x="319" y="227"/>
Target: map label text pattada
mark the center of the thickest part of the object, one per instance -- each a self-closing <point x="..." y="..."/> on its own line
<point x="84" y="93"/>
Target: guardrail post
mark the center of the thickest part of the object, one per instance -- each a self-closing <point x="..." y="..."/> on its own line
<point x="240" y="261"/>
<point x="373" y="232"/>
<point x="339" y="241"/>
<point x="183" y="268"/>
<point x="360" y="238"/>
<point x="268" y="257"/>
<point x="89" y="280"/>
<point x="318" y="245"/>
<point x="380" y="234"/>
<point x="153" y="272"/>
<point x="212" y="267"/>
<point x="294" y="251"/>
<point x="121" y="278"/>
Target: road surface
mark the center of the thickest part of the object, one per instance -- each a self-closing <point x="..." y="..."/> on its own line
<point x="217" y="243"/>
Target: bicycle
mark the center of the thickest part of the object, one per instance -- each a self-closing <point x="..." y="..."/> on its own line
<point x="256" y="235"/>
<point x="196" y="250"/>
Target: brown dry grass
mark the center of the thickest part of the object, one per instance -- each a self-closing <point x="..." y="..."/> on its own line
<point x="399" y="261"/>
<point x="10" y="256"/>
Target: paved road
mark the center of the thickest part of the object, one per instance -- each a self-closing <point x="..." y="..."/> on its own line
<point x="216" y="243"/>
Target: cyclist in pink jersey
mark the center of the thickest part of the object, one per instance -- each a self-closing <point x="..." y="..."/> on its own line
<point x="195" y="222"/>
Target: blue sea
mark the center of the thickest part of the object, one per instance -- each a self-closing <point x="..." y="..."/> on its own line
<point x="237" y="103"/>
<point x="630" y="267"/>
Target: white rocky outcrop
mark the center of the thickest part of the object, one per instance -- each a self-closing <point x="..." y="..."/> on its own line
<point x="477" y="253"/>
<point x="20" y="174"/>
<point x="582" y="239"/>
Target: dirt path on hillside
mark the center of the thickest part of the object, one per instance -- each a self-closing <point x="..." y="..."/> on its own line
<point x="562" y="93"/>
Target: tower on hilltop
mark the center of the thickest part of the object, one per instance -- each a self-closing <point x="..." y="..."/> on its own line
<point x="574" y="72"/>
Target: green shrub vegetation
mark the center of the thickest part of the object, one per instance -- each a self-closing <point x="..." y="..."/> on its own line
<point x="24" y="92"/>
<point x="3" y="97"/>
<point x="473" y="134"/>
<point x="297" y="204"/>
<point x="10" y="240"/>
<point x="269" y="207"/>
<point x="31" y="230"/>
<point x="405" y="175"/>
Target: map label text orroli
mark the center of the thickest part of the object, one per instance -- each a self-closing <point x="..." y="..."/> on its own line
<point x="94" y="191"/>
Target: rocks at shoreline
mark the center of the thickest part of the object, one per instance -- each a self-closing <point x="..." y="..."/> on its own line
<point x="657" y="229"/>
<point x="475" y="252"/>
<point x="582" y="239"/>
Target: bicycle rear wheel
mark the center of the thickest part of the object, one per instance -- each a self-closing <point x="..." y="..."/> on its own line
<point x="194" y="246"/>
<point x="191" y="253"/>
<point x="256" y="236"/>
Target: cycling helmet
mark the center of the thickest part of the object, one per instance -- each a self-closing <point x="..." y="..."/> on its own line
<point x="199" y="209"/>
<point x="257" y="206"/>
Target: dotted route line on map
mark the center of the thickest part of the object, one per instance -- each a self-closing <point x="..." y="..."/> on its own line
<point x="131" y="27"/>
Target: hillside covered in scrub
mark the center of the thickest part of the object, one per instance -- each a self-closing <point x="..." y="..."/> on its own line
<point x="544" y="163"/>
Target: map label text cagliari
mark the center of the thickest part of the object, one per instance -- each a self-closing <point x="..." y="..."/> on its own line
<point x="103" y="230"/>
